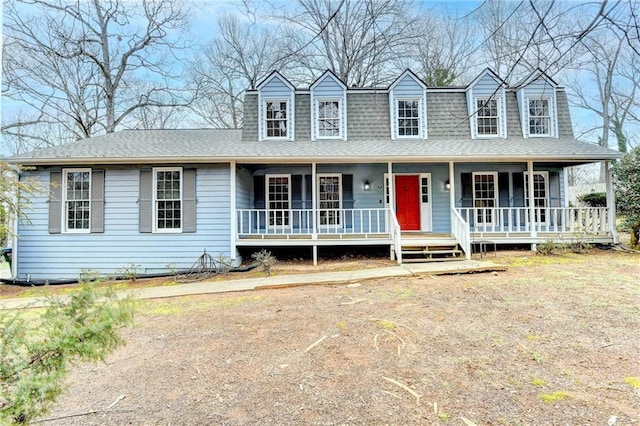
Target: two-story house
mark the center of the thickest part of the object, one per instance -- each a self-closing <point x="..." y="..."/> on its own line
<point x="425" y="171"/>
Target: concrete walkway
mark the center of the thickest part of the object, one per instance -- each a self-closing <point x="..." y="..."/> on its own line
<point x="279" y="281"/>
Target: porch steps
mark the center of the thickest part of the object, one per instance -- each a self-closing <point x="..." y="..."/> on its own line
<point x="415" y="250"/>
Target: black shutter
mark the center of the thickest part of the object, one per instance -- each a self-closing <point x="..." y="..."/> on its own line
<point x="258" y="192"/>
<point x="189" y="200"/>
<point x="503" y="189"/>
<point x="347" y="191"/>
<point x="554" y="189"/>
<point x="518" y="189"/>
<point x="55" y="202"/>
<point x="97" y="201"/>
<point x="296" y="192"/>
<point x="145" y="211"/>
<point x="308" y="188"/>
<point x="467" y="189"/>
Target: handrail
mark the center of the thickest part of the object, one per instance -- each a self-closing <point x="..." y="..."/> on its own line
<point x="569" y="220"/>
<point x="460" y="230"/>
<point x="396" y="235"/>
<point x="303" y="221"/>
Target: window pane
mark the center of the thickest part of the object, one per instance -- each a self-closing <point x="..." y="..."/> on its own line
<point x="408" y="118"/>
<point x="276" y="119"/>
<point x="78" y="199"/>
<point x="328" y="119"/>
<point x="487" y="117"/>
<point x="168" y="199"/>
<point x="539" y="117"/>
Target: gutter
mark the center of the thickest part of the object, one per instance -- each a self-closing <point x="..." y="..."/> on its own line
<point x="459" y="158"/>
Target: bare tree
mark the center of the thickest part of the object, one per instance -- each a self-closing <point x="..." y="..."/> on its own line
<point x="443" y="52"/>
<point x="237" y="59"/>
<point x="359" y="40"/>
<point x="521" y="37"/>
<point x="78" y="63"/>
<point x="613" y="69"/>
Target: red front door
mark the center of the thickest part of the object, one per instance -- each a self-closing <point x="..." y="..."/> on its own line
<point x="408" y="202"/>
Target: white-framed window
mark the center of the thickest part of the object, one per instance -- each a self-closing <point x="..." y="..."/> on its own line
<point x="539" y="120"/>
<point x="328" y="118"/>
<point x="540" y="194"/>
<point x="408" y="116"/>
<point x="329" y="199"/>
<point x="167" y="199"/>
<point x="276" y="118"/>
<point x="76" y="200"/>
<point x="487" y="117"/>
<point x="278" y="196"/>
<point x="485" y="196"/>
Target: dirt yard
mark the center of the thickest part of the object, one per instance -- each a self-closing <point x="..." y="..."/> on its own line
<point x="554" y="340"/>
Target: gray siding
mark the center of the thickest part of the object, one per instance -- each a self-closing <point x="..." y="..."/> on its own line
<point x="46" y="256"/>
<point x="565" y="128"/>
<point x="448" y="116"/>
<point x="514" y="128"/>
<point x="368" y="116"/>
<point x="250" y="117"/>
<point x="303" y="117"/>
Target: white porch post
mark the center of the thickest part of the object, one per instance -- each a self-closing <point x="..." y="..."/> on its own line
<point x="532" y="207"/>
<point x="314" y="212"/>
<point x="452" y="190"/>
<point x="611" y="202"/>
<point x="392" y="204"/>
<point x="233" y="205"/>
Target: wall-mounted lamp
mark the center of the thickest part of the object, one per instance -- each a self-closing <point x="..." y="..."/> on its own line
<point x="367" y="185"/>
<point x="447" y="185"/>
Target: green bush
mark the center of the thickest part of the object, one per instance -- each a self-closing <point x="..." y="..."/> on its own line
<point x="37" y="350"/>
<point x="594" y="199"/>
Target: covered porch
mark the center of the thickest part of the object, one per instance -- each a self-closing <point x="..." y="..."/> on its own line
<point x="411" y="206"/>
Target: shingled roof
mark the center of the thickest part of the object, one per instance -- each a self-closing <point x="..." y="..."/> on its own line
<point x="223" y="146"/>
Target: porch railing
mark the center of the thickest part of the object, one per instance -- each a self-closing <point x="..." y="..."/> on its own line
<point x="460" y="231"/>
<point x="304" y="222"/>
<point x="569" y="220"/>
<point x="396" y="235"/>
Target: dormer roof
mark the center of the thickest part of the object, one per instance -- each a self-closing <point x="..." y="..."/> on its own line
<point x="535" y="75"/>
<point x="490" y="73"/>
<point x="406" y="73"/>
<point x="324" y="76"/>
<point x="276" y="75"/>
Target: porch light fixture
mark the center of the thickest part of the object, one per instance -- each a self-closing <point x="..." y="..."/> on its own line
<point x="367" y="185"/>
<point x="447" y="185"/>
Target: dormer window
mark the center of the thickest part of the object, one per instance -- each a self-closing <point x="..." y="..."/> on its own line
<point x="408" y="118"/>
<point x="408" y="107"/>
<point x="488" y="117"/>
<point x="328" y="119"/>
<point x="539" y="117"/>
<point x="276" y="108"/>
<point x="537" y="104"/>
<point x="276" y="119"/>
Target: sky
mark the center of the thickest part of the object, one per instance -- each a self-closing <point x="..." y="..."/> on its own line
<point x="203" y="29"/>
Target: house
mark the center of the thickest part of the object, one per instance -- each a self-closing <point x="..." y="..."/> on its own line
<point x="428" y="172"/>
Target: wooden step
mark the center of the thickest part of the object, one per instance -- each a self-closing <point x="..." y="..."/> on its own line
<point x="431" y="259"/>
